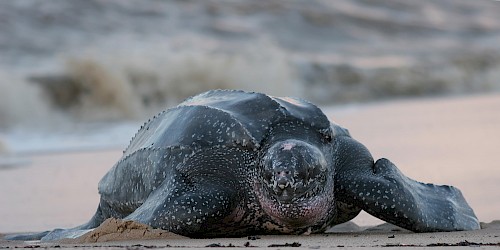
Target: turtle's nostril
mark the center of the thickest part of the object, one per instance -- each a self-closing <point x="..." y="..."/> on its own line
<point x="282" y="173"/>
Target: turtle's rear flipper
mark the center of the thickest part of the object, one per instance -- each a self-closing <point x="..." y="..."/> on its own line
<point x="26" y="237"/>
<point x="55" y="234"/>
<point x="391" y="196"/>
<point x="76" y="232"/>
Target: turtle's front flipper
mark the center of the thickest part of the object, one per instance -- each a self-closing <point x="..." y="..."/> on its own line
<point x="200" y="197"/>
<point x="386" y="193"/>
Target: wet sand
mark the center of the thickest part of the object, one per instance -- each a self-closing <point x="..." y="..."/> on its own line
<point x="378" y="237"/>
<point x="445" y="141"/>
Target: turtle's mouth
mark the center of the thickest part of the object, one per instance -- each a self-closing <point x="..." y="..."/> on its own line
<point x="287" y="189"/>
<point x="288" y="192"/>
<point x="295" y="208"/>
<point x="294" y="205"/>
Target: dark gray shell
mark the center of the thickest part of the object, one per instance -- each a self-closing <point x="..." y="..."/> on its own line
<point x="226" y="117"/>
<point x="218" y="119"/>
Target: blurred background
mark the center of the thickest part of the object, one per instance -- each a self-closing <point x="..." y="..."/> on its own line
<point x="84" y="74"/>
<point x="66" y="62"/>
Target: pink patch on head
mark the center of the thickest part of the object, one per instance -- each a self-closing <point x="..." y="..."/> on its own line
<point x="288" y="145"/>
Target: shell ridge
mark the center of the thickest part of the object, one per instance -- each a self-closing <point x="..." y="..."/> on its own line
<point x="144" y="125"/>
<point x="234" y="118"/>
<point x="326" y="131"/>
<point x="214" y="91"/>
<point x="143" y="149"/>
<point x="257" y="118"/>
<point x="134" y="141"/>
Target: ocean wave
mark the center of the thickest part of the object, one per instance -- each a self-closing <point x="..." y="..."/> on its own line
<point x="114" y="88"/>
<point x="20" y="102"/>
<point x="143" y="58"/>
<point x="118" y="87"/>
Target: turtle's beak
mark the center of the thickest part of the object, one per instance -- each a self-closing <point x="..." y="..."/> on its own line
<point x="283" y="187"/>
<point x="283" y="182"/>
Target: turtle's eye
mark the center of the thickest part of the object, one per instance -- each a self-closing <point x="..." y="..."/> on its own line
<point x="269" y="173"/>
<point x="304" y="174"/>
<point x="309" y="173"/>
<point x="268" y="176"/>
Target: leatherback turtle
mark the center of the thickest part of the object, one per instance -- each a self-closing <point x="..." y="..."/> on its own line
<point x="230" y="163"/>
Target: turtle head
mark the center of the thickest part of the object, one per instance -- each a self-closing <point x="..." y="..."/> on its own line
<point x="293" y="169"/>
<point x="295" y="175"/>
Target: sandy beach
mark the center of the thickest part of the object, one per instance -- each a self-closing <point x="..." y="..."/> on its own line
<point x="439" y="140"/>
<point x="416" y="82"/>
